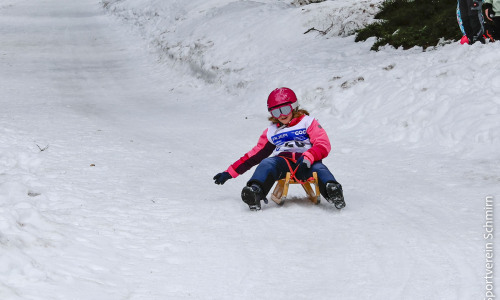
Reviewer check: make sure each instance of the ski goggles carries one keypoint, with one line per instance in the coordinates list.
(284, 110)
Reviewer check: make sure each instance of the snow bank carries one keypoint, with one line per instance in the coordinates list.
(222, 40)
(439, 98)
(24, 229)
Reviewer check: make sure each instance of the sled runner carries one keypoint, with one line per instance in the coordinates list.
(281, 189)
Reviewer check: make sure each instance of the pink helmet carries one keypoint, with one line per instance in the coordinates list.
(281, 96)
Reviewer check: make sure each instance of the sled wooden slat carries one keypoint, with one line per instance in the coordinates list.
(281, 189)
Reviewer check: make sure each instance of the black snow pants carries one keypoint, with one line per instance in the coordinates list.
(470, 20)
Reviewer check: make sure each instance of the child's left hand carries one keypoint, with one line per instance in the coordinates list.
(303, 165)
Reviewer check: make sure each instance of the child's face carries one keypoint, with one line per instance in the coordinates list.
(285, 119)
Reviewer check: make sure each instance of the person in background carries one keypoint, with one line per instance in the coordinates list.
(469, 22)
(492, 16)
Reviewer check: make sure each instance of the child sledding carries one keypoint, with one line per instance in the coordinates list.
(293, 143)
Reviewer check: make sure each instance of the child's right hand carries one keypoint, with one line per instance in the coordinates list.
(222, 177)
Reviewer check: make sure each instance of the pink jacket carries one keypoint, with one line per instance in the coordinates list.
(303, 136)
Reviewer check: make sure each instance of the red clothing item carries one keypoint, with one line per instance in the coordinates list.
(303, 136)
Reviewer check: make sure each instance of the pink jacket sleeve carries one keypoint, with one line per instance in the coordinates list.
(263, 149)
(320, 142)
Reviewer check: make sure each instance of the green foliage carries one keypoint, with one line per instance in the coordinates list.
(409, 23)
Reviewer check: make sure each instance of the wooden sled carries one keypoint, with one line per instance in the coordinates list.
(281, 189)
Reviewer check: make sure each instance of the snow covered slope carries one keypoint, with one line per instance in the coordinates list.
(120, 203)
(441, 97)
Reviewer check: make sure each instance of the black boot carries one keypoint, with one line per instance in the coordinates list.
(335, 195)
(252, 195)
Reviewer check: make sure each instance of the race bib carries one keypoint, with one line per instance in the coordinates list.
(291, 139)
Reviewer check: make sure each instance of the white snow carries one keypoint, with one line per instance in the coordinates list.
(138, 104)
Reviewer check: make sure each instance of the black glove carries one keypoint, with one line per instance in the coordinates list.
(222, 177)
(303, 165)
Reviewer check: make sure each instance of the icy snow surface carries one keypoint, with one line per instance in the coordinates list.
(138, 104)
